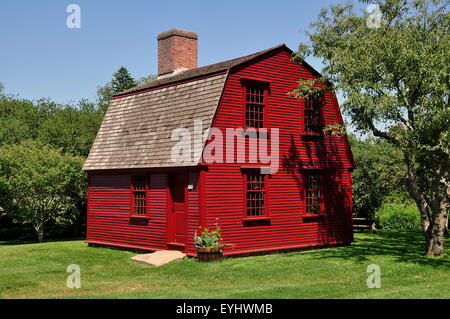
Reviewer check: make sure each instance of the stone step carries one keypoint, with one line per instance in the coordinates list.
(158, 258)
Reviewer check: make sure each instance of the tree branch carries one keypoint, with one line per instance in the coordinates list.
(385, 135)
(408, 105)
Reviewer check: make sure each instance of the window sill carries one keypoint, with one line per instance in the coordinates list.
(139, 217)
(312, 215)
(259, 135)
(311, 134)
(251, 219)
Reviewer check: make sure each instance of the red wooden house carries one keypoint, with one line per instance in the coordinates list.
(143, 196)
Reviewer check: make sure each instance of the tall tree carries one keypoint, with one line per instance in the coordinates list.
(395, 77)
(122, 80)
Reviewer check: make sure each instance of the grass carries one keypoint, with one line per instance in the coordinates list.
(39, 271)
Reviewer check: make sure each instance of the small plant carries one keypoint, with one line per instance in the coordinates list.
(208, 238)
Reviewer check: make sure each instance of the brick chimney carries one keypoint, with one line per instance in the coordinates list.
(177, 51)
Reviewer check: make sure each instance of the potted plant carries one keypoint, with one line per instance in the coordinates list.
(208, 243)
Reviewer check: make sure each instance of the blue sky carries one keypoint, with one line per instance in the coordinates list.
(41, 57)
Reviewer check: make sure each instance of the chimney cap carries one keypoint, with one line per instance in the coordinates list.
(178, 32)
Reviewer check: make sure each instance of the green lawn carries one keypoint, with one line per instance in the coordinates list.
(39, 271)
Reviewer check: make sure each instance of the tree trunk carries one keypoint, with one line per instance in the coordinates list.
(446, 227)
(435, 242)
(434, 224)
(39, 227)
(41, 235)
(435, 245)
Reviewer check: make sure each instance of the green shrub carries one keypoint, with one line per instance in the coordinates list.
(398, 217)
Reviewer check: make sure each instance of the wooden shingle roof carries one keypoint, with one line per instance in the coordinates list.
(137, 128)
(136, 131)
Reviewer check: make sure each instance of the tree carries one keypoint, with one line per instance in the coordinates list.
(73, 129)
(104, 96)
(378, 177)
(39, 184)
(19, 120)
(146, 79)
(395, 78)
(121, 81)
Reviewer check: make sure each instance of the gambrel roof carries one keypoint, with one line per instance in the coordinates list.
(137, 128)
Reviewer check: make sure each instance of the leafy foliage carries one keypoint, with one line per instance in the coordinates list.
(39, 184)
(398, 217)
(208, 238)
(19, 120)
(335, 129)
(378, 175)
(73, 129)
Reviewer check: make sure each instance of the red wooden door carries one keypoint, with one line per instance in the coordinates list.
(178, 227)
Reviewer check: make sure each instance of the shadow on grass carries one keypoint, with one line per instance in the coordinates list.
(401, 246)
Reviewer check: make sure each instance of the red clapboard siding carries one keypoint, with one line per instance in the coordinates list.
(109, 220)
(224, 185)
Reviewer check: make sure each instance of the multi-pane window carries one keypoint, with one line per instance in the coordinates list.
(255, 194)
(313, 194)
(312, 114)
(254, 106)
(139, 190)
